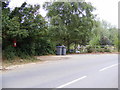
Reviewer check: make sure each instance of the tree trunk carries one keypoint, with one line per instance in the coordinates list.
(75, 47)
(68, 46)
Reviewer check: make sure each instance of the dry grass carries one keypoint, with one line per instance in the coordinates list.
(18, 61)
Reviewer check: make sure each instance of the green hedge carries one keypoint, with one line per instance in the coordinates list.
(106, 48)
(27, 48)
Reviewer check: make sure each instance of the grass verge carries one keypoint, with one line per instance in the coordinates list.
(19, 61)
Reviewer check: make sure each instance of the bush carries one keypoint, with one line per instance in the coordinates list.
(106, 49)
(101, 50)
(9, 53)
(83, 49)
(44, 47)
(22, 54)
(90, 49)
(26, 48)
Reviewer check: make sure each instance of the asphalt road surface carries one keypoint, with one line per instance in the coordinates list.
(77, 71)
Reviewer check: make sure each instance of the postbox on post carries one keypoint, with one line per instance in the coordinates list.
(14, 43)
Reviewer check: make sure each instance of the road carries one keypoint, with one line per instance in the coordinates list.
(78, 71)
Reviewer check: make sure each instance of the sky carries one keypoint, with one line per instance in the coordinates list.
(105, 9)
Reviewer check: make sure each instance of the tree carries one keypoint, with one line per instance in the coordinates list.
(105, 32)
(11, 27)
(70, 22)
(25, 25)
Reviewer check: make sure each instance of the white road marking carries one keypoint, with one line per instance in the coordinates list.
(61, 86)
(108, 67)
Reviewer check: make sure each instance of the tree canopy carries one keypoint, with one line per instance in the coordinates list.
(66, 23)
(27, 27)
(71, 22)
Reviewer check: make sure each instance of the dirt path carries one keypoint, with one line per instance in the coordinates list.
(43, 59)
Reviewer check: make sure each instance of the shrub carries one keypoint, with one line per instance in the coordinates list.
(9, 53)
(22, 54)
(90, 49)
(44, 47)
(101, 50)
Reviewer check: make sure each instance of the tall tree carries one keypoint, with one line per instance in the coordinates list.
(70, 22)
(105, 33)
(25, 25)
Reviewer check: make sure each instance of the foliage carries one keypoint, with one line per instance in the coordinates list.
(25, 25)
(90, 49)
(102, 49)
(70, 22)
(9, 53)
(95, 41)
(44, 47)
(105, 33)
(66, 23)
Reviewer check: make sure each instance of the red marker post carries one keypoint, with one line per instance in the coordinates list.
(14, 43)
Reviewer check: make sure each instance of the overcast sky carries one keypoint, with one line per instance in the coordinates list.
(105, 9)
